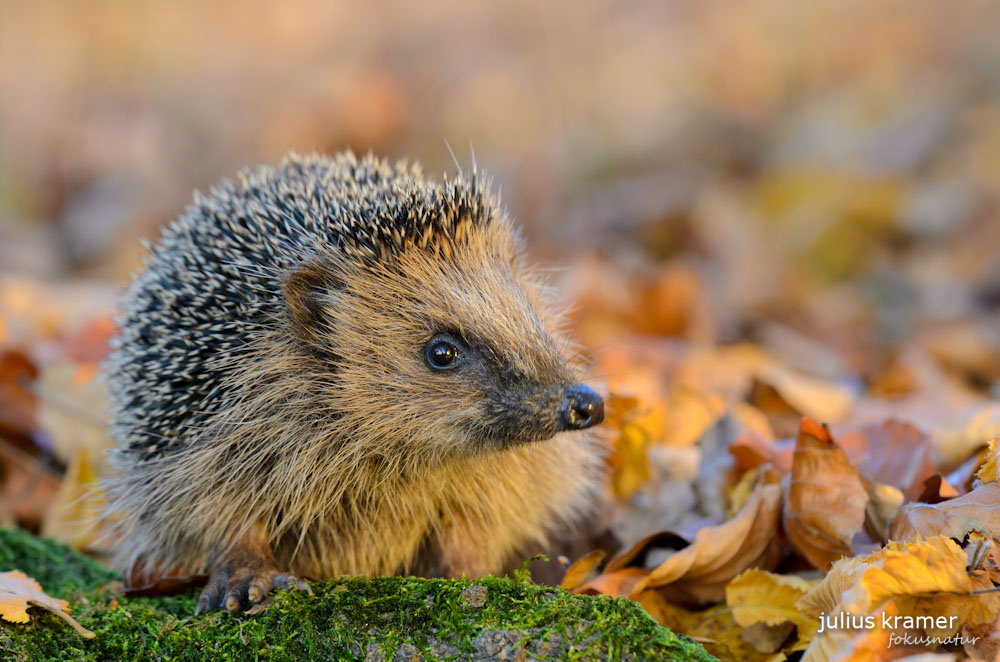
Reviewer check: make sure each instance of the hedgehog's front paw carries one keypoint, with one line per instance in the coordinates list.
(234, 588)
(246, 576)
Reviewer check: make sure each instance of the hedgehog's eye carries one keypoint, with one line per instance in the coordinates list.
(442, 354)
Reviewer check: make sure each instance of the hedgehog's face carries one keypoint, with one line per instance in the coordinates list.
(449, 355)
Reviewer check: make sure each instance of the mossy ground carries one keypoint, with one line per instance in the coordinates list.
(348, 618)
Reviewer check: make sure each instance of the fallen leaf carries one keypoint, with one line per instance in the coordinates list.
(639, 552)
(714, 628)
(698, 574)
(937, 489)
(970, 431)
(767, 638)
(924, 578)
(760, 598)
(18, 591)
(894, 453)
(715, 467)
(979, 510)
(17, 402)
(808, 396)
(630, 460)
(75, 516)
(826, 498)
(90, 344)
(616, 583)
(884, 502)
(673, 305)
(982, 642)
(752, 451)
(582, 568)
(987, 473)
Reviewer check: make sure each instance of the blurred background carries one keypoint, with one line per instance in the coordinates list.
(767, 207)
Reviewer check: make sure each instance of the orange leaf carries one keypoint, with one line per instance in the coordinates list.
(616, 584)
(581, 569)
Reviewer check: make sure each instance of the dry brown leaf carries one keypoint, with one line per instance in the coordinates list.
(972, 430)
(741, 491)
(937, 489)
(18, 591)
(692, 413)
(752, 451)
(582, 568)
(983, 641)
(698, 574)
(964, 475)
(636, 555)
(17, 402)
(869, 645)
(894, 453)
(808, 396)
(826, 498)
(984, 554)
(979, 510)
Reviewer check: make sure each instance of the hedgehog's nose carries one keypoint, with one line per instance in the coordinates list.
(582, 408)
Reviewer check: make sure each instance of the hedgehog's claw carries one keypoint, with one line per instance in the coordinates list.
(234, 589)
(246, 576)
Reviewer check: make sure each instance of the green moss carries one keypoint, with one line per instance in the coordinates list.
(349, 618)
(57, 568)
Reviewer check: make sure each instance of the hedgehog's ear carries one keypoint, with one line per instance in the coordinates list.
(302, 287)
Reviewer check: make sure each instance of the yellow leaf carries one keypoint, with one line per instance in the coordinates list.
(74, 517)
(758, 596)
(930, 566)
(741, 491)
(630, 461)
(988, 472)
(921, 579)
(691, 414)
(18, 591)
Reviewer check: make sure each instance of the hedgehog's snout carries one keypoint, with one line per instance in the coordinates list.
(582, 408)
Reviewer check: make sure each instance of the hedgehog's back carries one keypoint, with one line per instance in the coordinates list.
(211, 286)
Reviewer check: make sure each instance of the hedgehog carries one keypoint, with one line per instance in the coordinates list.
(336, 366)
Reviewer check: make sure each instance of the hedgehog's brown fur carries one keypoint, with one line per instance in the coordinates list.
(321, 433)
